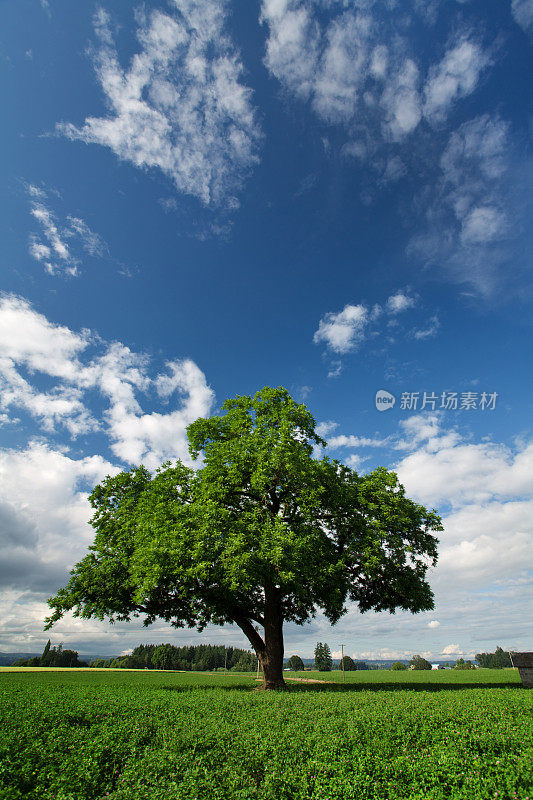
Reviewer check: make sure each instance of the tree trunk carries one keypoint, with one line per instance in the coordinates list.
(270, 651)
(271, 656)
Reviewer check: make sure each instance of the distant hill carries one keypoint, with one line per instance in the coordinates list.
(7, 659)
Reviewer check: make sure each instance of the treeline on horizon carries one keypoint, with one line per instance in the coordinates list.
(194, 658)
(208, 657)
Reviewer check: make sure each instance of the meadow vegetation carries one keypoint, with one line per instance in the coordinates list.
(125, 735)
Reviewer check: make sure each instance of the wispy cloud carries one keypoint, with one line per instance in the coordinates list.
(181, 106)
(523, 13)
(54, 246)
(456, 76)
(429, 330)
(473, 212)
(355, 69)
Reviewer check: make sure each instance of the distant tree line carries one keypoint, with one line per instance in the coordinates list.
(199, 658)
(498, 660)
(53, 657)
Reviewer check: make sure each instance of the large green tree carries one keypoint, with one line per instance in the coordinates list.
(262, 533)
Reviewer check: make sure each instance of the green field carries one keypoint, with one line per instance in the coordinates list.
(124, 735)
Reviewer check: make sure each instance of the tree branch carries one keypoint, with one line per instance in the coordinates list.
(250, 632)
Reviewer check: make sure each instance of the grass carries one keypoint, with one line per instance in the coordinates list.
(134, 735)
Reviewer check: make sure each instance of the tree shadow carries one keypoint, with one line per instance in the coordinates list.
(397, 686)
(299, 688)
(235, 687)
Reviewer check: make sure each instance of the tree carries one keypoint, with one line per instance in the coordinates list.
(323, 660)
(496, 660)
(398, 666)
(45, 659)
(419, 663)
(296, 663)
(462, 664)
(347, 664)
(162, 657)
(262, 533)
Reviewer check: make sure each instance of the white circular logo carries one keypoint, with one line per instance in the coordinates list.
(384, 400)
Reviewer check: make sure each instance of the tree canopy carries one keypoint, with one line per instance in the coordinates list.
(419, 663)
(295, 663)
(323, 660)
(261, 533)
(497, 660)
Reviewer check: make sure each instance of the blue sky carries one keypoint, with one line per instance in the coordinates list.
(334, 196)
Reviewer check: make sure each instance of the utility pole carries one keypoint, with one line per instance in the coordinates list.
(342, 662)
(258, 662)
(225, 661)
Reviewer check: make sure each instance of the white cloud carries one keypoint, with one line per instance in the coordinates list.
(473, 211)
(434, 624)
(336, 369)
(430, 330)
(325, 428)
(344, 331)
(356, 441)
(483, 224)
(28, 338)
(54, 246)
(394, 170)
(153, 438)
(44, 513)
(483, 491)
(399, 302)
(488, 488)
(29, 341)
(454, 77)
(181, 106)
(349, 61)
(401, 102)
(55, 255)
(523, 13)
(452, 650)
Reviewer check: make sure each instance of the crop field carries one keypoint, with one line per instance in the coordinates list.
(126, 735)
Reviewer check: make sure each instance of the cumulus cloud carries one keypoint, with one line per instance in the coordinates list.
(488, 490)
(401, 301)
(452, 650)
(434, 624)
(343, 331)
(181, 106)
(29, 342)
(483, 490)
(44, 513)
(58, 246)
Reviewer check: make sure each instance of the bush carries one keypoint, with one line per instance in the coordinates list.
(398, 665)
